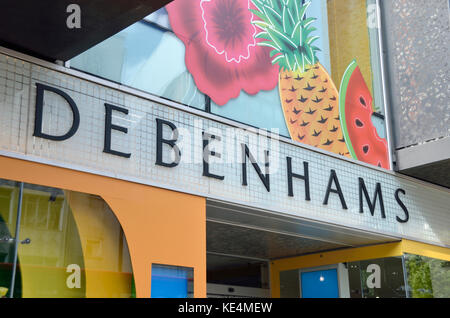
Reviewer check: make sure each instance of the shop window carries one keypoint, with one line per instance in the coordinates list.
(172, 282)
(9, 197)
(377, 278)
(427, 277)
(69, 245)
(290, 284)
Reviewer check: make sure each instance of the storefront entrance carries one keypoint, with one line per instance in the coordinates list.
(314, 260)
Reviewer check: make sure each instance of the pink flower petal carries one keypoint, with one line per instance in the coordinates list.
(222, 65)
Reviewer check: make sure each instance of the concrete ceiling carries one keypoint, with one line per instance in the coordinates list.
(241, 241)
(245, 232)
(39, 27)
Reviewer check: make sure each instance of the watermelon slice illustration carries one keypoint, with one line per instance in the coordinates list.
(355, 111)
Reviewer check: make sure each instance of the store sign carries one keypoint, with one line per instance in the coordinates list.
(171, 143)
(60, 119)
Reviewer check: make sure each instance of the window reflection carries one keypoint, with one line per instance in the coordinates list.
(71, 245)
(427, 277)
(146, 56)
(377, 278)
(9, 194)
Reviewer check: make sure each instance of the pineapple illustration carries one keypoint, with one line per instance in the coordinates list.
(308, 95)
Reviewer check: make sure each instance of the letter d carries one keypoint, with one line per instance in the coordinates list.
(39, 113)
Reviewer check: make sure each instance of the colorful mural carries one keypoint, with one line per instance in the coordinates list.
(255, 45)
(356, 110)
(221, 49)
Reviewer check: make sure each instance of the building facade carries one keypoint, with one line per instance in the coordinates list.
(231, 149)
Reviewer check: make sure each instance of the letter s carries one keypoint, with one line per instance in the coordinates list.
(402, 205)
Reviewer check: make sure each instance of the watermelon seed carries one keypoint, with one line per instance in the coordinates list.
(366, 149)
(362, 101)
(359, 123)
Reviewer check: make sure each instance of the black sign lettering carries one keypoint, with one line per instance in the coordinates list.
(402, 205)
(109, 126)
(207, 153)
(372, 204)
(170, 142)
(39, 113)
(338, 190)
(304, 177)
(264, 177)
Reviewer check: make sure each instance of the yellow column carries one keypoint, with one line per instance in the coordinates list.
(349, 38)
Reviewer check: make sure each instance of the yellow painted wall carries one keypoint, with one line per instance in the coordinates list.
(349, 38)
(160, 226)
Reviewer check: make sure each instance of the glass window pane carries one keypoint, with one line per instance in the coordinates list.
(70, 245)
(145, 56)
(354, 280)
(377, 278)
(259, 111)
(289, 284)
(9, 194)
(427, 277)
(171, 282)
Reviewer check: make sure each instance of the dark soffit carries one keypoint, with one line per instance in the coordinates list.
(39, 28)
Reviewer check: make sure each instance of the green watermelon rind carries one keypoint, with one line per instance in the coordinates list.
(342, 96)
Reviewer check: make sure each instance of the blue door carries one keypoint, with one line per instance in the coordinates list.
(320, 284)
(169, 282)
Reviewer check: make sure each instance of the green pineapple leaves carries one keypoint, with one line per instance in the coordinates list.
(285, 30)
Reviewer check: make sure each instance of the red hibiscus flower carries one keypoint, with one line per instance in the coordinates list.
(221, 51)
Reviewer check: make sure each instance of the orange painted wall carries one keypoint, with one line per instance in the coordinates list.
(161, 226)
